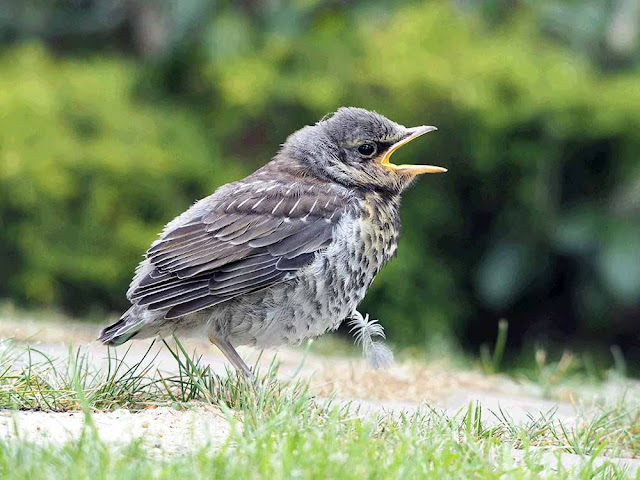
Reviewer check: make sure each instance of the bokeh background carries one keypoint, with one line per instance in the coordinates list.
(115, 115)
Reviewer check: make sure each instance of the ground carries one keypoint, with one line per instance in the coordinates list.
(562, 428)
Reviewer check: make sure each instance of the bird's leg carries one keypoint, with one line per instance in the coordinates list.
(227, 349)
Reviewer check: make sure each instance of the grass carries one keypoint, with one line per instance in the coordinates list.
(31, 379)
(300, 442)
(279, 430)
(490, 361)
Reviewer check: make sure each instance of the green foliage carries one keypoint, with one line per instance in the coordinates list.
(88, 176)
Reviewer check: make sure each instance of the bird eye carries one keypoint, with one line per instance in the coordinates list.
(367, 149)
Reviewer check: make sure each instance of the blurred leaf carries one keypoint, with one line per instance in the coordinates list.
(619, 263)
(578, 231)
(504, 273)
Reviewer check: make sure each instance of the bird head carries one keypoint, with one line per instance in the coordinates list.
(354, 147)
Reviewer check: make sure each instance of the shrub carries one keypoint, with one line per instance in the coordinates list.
(88, 175)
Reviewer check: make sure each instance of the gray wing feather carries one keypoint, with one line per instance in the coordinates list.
(174, 291)
(296, 262)
(258, 230)
(320, 240)
(284, 230)
(215, 221)
(230, 255)
(247, 284)
(247, 263)
(236, 228)
(303, 236)
(221, 276)
(185, 297)
(194, 306)
(170, 283)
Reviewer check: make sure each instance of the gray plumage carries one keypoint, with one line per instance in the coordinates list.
(284, 254)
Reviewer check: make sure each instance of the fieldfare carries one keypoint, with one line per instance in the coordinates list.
(284, 254)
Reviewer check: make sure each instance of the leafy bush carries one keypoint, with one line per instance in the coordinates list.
(88, 176)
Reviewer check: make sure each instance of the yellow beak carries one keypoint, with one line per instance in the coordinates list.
(414, 133)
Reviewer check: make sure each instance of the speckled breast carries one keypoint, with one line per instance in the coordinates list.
(327, 291)
(340, 278)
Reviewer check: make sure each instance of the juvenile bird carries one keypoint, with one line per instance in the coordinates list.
(284, 254)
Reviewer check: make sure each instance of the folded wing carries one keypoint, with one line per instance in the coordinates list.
(242, 241)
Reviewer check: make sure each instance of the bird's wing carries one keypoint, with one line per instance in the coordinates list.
(244, 240)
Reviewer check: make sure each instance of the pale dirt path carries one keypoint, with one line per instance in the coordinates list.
(401, 388)
(163, 428)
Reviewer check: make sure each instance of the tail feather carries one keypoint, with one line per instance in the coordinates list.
(123, 330)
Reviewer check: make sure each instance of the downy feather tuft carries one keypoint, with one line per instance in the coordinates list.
(365, 331)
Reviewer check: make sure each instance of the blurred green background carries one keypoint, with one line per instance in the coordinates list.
(115, 115)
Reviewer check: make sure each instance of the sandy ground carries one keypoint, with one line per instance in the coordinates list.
(400, 388)
(164, 428)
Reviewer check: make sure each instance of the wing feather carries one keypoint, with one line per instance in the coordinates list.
(295, 263)
(236, 228)
(247, 263)
(246, 283)
(268, 225)
(221, 276)
(215, 220)
(166, 285)
(178, 290)
(285, 230)
(222, 281)
(193, 306)
(180, 299)
(303, 236)
(231, 255)
(314, 244)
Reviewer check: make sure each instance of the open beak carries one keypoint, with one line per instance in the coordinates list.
(414, 133)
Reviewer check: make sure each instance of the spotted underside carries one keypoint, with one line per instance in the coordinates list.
(251, 235)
